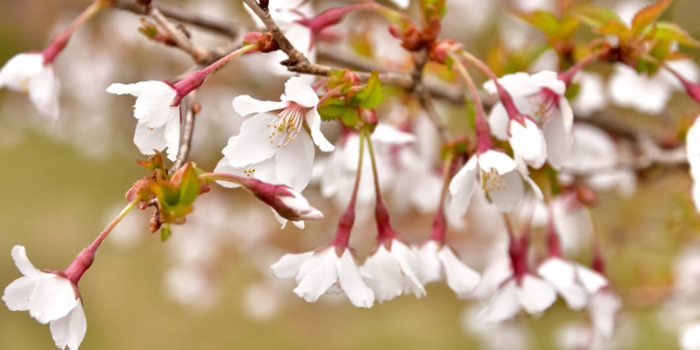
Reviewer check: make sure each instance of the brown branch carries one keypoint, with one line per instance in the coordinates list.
(187, 132)
(199, 54)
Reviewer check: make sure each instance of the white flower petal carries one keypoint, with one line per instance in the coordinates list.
(384, 275)
(496, 160)
(528, 142)
(429, 266)
(246, 105)
(351, 281)
(43, 92)
(316, 275)
(591, 280)
(557, 134)
(19, 255)
(19, 69)
(603, 308)
(535, 295)
(460, 277)
(172, 135)
(692, 144)
(70, 329)
(313, 119)
(402, 4)
(390, 135)
(407, 261)
(153, 106)
(498, 121)
(299, 91)
(504, 304)
(288, 265)
(53, 298)
(561, 274)
(294, 163)
(462, 187)
(149, 139)
(252, 145)
(18, 293)
(509, 195)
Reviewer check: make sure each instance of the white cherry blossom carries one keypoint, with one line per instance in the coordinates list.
(497, 174)
(540, 96)
(274, 145)
(529, 293)
(392, 271)
(28, 73)
(158, 118)
(690, 336)
(435, 260)
(49, 298)
(574, 282)
(591, 97)
(603, 308)
(692, 142)
(317, 273)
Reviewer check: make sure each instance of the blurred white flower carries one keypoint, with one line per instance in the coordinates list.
(603, 308)
(649, 94)
(392, 271)
(574, 282)
(317, 273)
(690, 336)
(540, 96)
(27, 72)
(529, 293)
(692, 142)
(435, 259)
(591, 97)
(495, 336)
(49, 298)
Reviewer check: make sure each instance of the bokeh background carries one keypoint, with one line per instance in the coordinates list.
(209, 287)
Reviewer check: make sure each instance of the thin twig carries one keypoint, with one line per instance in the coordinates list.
(426, 101)
(199, 54)
(179, 14)
(188, 129)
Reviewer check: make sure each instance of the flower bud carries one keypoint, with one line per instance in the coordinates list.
(287, 202)
(264, 41)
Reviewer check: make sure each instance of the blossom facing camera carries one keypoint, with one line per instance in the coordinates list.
(50, 297)
(329, 270)
(31, 74)
(276, 137)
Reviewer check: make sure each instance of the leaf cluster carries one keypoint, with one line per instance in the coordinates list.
(348, 100)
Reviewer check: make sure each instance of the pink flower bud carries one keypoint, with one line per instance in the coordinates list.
(287, 202)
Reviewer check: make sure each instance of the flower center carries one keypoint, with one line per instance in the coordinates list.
(249, 171)
(287, 125)
(545, 102)
(492, 181)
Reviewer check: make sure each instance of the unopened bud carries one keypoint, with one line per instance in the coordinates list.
(439, 50)
(287, 202)
(264, 41)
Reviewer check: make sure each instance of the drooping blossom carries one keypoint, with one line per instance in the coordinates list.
(316, 273)
(392, 269)
(520, 290)
(573, 281)
(157, 110)
(50, 297)
(541, 97)
(435, 260)
(274, 145)
(32, 74)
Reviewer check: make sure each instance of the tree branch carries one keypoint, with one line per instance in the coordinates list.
(188, 129)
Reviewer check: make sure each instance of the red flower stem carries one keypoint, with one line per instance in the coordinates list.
(342, 235)
(384, 230)
(568, 76)
(85, 258)
(61, 40)
(481, 126)
(439, 222)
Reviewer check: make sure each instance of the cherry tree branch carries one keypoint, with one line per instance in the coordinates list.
(187, 132)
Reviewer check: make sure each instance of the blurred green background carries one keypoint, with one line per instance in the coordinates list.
(53, 200)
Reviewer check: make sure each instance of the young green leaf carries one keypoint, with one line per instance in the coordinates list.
(673, 32)
(542, 20)
(350, 118)
(189, 185)
(648, 15)
(331, 109)
(595, 16)
(371, 96)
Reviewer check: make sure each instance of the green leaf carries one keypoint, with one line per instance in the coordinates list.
(165, 232)
(673, 32)
(189, 185)
(573, 91)
(568, 26)
(350, 118)
(371, 96)
(542, 20)
(331, 109)
(595, 16)
(648, 15)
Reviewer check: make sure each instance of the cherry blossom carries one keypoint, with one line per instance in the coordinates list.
(318, 272)
(282, 140)
(690, 336)
(30, 73)
(540, 96)
(392, 270)
(497, 174)
(50, 298)
(591, 96)
(157, 110)
(435, 259)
